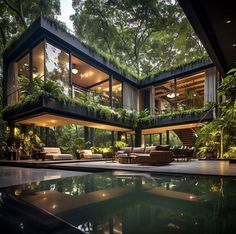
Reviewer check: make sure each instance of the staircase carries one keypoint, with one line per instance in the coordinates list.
(186, 136)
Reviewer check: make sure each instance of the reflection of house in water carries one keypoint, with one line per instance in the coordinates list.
(121, 209)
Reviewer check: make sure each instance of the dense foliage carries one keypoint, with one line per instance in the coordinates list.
(219, 136)
(146, 36)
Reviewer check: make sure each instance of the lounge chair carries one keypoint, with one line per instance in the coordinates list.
(87, 154)
(156, 158)
(54, 153)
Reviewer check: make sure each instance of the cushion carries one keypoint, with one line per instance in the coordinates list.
(58, 156)
(149, 149)
(163, 147)
(84, 152)
(92, 156)
(139, 150)
(142, 155)
(52, 150)
(126, 150)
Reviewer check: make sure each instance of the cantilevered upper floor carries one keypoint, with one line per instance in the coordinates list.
(47, 52)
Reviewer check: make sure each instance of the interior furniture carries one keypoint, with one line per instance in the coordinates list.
(54, 153)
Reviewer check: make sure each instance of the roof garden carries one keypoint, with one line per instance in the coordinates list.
(57, 29)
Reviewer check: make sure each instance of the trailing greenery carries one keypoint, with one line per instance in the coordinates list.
(32, 91)
(200, 58)
(125, 69)
(219, 136)
(151, 119)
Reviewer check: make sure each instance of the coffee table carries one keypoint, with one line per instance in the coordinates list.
(127, 159)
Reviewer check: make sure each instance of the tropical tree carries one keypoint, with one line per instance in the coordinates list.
(145, 35)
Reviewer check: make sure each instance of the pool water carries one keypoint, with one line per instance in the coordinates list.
(125, 202)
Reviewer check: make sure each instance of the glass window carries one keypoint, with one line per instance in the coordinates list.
(12, 85)
(23, 67)
(103, 92)
(191, 91)
(15, 70)
(165, 97)
(116, 94)
(57, 66)
(85, 75)
(38, 61)
(180, 94)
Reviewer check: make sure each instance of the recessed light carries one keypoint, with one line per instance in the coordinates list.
(228, 21)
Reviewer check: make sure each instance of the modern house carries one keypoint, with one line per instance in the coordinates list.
(47, 52)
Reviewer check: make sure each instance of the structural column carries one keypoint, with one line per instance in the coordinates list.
(167, 137)
(10, 140)
(86, 137)
(119, 134)
(46, 136)
(91, 136)
(138, 137)
(160, 134)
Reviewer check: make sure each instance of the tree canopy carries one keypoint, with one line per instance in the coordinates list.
(146, 36)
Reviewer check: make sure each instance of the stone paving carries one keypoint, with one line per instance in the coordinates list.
(195, 167)
(17, 175)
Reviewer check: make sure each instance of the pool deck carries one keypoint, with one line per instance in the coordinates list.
(193, 167)
(16, 175)
(39, 163)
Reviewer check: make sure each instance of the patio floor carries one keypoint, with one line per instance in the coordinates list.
(16, 175)
(194, 167)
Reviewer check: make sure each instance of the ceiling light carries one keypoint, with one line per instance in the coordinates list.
(234, 44)
(74, 69)
(172, 91)
(172, 95)
(228, 21)
(99, 87)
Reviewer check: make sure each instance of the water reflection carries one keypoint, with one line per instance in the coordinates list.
(123, 202)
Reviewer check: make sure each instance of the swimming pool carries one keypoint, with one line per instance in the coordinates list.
(123, 202)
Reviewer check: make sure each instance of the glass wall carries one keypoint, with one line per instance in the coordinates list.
(38, 61)
(15, 70)
(180, 94)
(117, 94)
(86, 78)
(50, 62)
(57, 66)
(103, 92)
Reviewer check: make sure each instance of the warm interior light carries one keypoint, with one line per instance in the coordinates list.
(99, 87)
(172, 95)
(74, 69)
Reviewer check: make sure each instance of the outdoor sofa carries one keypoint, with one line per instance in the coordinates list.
(156, 158)
(141, 151)
(54, 153)
(135, 151)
